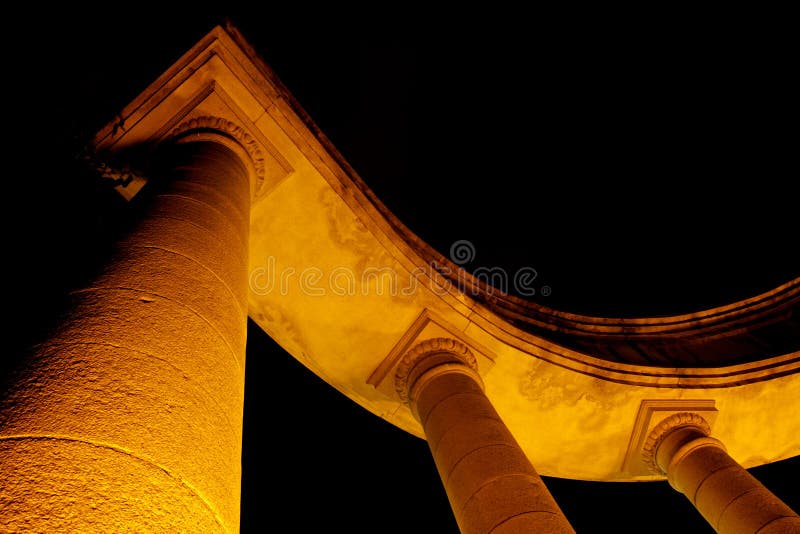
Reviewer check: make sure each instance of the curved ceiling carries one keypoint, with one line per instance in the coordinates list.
(347, 289)
(637, 180)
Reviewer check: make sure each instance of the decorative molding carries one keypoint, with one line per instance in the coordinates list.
(229, 129)
(125, 179)
(651, 414)
(428, 324)
(120, 176)
(427, 348)
(664, 428)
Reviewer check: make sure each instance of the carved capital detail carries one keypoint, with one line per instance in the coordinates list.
(458, 352)
(118, 175)
(229, 129)
(664, 428)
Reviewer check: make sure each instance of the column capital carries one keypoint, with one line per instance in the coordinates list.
(697, 465)
(688, 424)
(219, 85)
(226, 132)
(447, 353)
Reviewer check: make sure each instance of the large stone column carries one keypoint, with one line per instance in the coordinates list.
(491, 484)
(129, 417)
(698, 466)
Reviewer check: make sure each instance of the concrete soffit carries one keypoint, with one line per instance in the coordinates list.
(221, 84)
(311, 210)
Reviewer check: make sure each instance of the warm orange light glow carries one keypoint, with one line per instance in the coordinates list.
(129, 418)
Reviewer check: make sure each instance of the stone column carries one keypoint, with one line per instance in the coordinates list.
(698, 466)
(491, 485)
(129, 417)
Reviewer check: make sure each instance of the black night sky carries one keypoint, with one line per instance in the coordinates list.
(640, 172)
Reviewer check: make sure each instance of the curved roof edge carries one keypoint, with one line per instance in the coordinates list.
(685, 340)
(543, 369)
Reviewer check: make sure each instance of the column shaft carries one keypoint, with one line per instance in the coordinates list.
(491, 485)
(729, 497)
(129, 417)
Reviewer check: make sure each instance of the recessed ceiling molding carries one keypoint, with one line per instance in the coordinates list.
(651, 413)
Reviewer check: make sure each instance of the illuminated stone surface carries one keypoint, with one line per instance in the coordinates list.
(129, 417)
(147, 371)
(729, 497)
(489, 480)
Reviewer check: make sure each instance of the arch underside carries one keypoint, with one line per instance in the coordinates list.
(345, 288)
